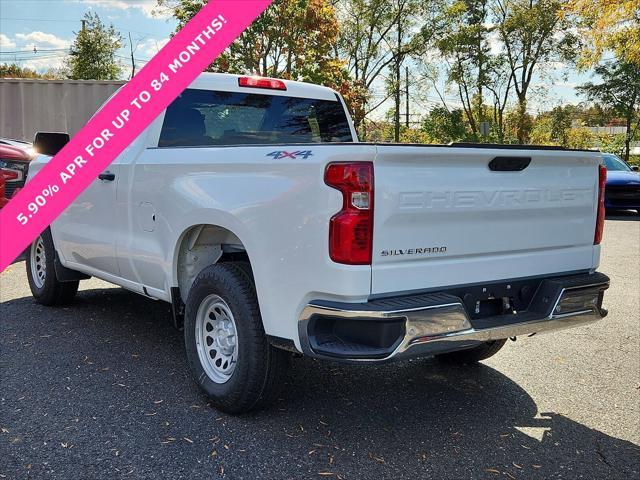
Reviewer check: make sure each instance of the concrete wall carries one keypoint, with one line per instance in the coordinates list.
(608, 130)
(29, 106)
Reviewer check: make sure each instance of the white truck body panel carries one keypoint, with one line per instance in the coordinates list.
(494, 225)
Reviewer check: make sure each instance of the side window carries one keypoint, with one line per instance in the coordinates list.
(204, 117)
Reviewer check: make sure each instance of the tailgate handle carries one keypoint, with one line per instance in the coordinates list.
(509, 164)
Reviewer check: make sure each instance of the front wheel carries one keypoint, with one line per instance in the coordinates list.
(226, 345)
(473, 355)
(45, 286)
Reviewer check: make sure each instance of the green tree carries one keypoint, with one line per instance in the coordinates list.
(514, 122)
(561, 122)
(376, 37)
(444, 126)
(534, 35)
(365, 27)
(499, 84)
(465, 47)
(620, 91)
(612, 143)
(595, 115)
(542, 132)
(93, 53)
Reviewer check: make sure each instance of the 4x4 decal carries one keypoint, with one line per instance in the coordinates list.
(278, 154)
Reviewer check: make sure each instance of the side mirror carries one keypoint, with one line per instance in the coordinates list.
(50, 143)
(634, 168)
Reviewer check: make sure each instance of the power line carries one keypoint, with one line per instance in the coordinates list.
(119, 26)
(142, 60)
(28, 59)
(38, 50)
(60, 55)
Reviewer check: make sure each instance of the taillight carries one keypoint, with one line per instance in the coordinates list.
(602, 182)
(262, 82)
(351, 229)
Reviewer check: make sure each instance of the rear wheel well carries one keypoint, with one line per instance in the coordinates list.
(201, 246)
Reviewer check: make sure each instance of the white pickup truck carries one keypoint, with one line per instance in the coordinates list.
(252, 208)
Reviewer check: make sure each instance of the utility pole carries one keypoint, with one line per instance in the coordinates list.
(406, 93)
(397, 81)
(133, 60)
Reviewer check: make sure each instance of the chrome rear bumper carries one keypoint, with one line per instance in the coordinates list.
(428, 324)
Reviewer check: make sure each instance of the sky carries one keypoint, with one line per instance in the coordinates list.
(49, 26)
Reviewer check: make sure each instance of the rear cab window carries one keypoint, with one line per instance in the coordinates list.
(209, 118)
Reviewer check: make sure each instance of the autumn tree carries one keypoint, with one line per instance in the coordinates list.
(607, 25)
(93, 53)
(291, 39)
(555, 126)
(534, 34)
(12, 70)
(619, 90)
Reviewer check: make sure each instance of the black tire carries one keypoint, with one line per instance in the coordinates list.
(46, 288)
(473, 355)
(260, 368)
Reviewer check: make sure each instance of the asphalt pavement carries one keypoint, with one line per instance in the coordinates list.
(101, 390)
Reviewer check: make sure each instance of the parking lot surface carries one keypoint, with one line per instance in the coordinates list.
(101, 390)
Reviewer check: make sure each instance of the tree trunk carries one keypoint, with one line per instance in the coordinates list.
(406, 93)
(627, 140)
(522, 121)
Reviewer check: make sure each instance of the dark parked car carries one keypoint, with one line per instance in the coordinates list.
(623, 184)
(15, 157)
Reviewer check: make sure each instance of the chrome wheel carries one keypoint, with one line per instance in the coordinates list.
(38, 262)
(216, 339)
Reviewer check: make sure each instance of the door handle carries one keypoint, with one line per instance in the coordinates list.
(509, 164)
(108, 176)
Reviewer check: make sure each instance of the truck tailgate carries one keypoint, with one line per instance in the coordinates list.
(443, 217)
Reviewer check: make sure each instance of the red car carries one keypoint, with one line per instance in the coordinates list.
(14, 166)
(3, 180)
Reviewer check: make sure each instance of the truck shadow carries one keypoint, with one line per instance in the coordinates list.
(622, 215)
(410, 419)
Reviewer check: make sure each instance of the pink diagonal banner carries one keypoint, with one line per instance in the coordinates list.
(121, 120)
